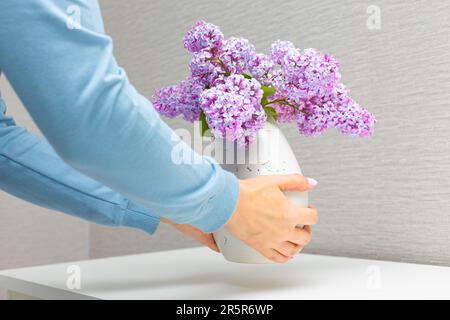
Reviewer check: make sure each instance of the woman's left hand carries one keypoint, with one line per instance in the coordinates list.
(198, 235)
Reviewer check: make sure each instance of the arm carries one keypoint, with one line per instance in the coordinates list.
(97, 122)
(31, 170)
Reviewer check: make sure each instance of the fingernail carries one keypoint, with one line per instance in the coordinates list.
(312, 182)
(290, 258)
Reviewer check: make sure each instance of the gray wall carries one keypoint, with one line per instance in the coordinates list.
(387, 197)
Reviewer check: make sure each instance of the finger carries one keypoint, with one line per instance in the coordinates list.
(196, 234)
(295, 182)
(275, 256)
(166, 221)
(289, 249)
(207, 240)
(303, 216)
(308, 229)
(210, 242)
(301, 236)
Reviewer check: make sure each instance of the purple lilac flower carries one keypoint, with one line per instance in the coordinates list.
(315, 115)
(308, 88)
(285, 113)
(261, 68)
(189, 92)
(249, 88)
(202, 36)
(309, 74)
(233, 109)
(182, 99)
(315, 118)
(337, 110)
(204, 68)
(235, 54)
(351, 118)
(355, 121)
(165, 101)
(279, 49)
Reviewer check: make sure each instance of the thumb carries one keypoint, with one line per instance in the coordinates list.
(295, 182)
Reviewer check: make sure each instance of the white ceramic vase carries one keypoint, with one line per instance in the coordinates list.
(269, 154)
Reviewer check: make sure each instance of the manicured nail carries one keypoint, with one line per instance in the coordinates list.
(312, 182)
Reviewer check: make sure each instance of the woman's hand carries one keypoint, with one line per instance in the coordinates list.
(198, 235)
(266, 220)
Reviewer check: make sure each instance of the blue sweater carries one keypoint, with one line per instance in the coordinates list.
(101, 134)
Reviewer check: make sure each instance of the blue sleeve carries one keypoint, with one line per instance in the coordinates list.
(97, 122)
(32, 171)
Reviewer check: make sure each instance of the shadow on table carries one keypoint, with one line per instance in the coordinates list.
(228, 280)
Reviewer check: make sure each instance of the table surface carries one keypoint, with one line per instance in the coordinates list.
(199, 273)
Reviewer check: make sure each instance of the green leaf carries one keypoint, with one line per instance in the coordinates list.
(247, 76)
(270, 111)
(268, 91)
(203, 124)
(271, 114)
(264, 101)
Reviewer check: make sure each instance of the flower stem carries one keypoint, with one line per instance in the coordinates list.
(220, 62)
(283, 101)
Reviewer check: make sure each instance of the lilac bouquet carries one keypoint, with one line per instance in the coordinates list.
(233, 90)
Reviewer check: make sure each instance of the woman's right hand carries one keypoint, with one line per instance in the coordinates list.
(265, 219)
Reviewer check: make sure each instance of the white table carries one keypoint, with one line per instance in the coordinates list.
(202, 274)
